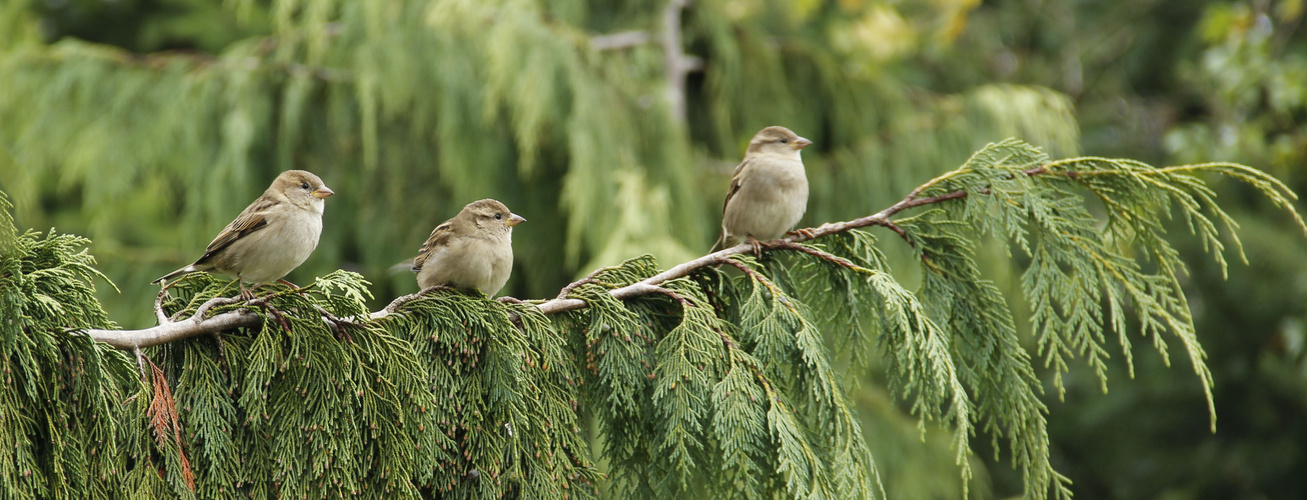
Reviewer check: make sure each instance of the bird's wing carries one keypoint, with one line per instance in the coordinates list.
(737, 180)
(252, 219)
(439, 238)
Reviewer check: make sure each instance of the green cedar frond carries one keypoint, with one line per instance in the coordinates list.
(706, 382)
(822, 454)
(275, 412)
(62, 392)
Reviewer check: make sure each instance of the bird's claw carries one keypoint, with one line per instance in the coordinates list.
(807, 233)
(246, 294)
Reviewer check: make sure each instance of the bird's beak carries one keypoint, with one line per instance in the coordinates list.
(323, 192)
(800, 143)
(514, 220)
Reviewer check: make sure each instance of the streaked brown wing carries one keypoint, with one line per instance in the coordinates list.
(439, 238)
(249, 221)
(737, 180)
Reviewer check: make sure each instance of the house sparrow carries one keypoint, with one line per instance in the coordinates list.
(769, 191)
(472, 250)
(272, 237)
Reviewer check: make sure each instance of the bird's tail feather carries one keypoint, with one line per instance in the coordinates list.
(720, 244)
(405, 266)
(174, 274)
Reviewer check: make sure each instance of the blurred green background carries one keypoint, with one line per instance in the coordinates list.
(613, 127)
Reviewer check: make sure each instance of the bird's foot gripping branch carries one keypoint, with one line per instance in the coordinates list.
(694, 379)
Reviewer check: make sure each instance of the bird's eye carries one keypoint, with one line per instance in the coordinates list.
(784, 140)
(304, 185)
(499, 216)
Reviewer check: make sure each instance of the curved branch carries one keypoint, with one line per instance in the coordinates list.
(169, 330)
(651, 284)
(176, 330)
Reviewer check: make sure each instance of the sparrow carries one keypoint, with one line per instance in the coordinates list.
(271, 237)
(472, 250)
(769, 191)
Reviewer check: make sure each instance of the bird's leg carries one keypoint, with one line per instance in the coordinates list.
(509, 300)
(246, 293)
(757, 247)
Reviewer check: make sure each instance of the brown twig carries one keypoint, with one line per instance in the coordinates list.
(337, 324)
(163, 420)
(643, 289)
(263, 302)
(589, 278)
(826, 256)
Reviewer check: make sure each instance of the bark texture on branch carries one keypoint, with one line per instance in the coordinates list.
(130, 340)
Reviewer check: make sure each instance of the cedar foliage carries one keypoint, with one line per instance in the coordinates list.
(411, 109)
(723, 386)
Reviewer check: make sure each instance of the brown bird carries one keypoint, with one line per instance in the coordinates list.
(472, 250)
(769, 191)
(272, 237)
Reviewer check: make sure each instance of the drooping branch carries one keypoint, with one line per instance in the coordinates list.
(169, 330)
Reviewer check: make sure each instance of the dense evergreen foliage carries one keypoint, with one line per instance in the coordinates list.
(613, 127)
(710, 384)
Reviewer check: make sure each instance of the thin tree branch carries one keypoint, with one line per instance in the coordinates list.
(675, 63)
(567, 290)
(158, 308)
(826, 256)
(204, 308)
(169, 331)
(620, 40)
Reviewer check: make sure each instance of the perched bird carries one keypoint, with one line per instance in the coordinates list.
(272, 237)
(472, 250)
(769, 191)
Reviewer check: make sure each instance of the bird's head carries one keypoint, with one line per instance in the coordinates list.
(491, 215)
(778, 141)
(302, 189)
